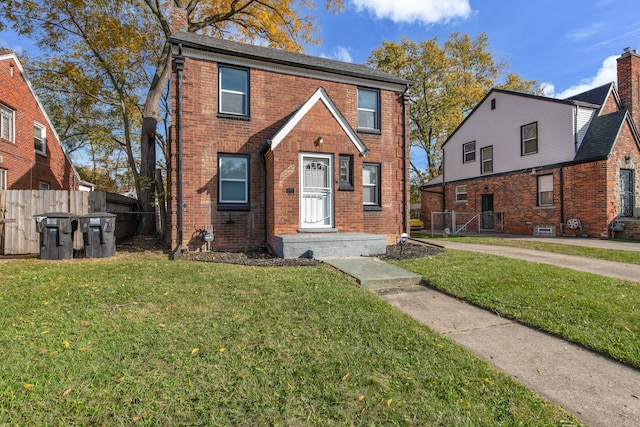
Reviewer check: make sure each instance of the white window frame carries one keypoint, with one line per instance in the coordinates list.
(222, 91)
(524, 139)
(375, 185)
(7, 123)
(486, 160)
(545, 189)
(3, 179)
(222, 179)
(461, 194)
(376, 111)
(469, 149)
(43, 139)
(43, 185)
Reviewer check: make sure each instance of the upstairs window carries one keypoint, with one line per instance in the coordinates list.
(6, 123)
(43, 185)
(233, 95)
(371, 185)
(529, 138)
(40, 138)
(469, 152)
(368, 109)
(233, 181)
(487, 159)
(545, 190)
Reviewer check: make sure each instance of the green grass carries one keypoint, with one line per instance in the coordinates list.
(594, 311)
(142, 340)
(630, 257)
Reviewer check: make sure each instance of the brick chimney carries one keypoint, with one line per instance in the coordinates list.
(178, 18)
(629, 82)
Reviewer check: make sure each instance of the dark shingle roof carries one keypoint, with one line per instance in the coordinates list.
(277, 56)
(595, 96)
(601, 136)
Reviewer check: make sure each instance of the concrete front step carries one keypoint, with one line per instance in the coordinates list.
(375, 274)
(329, 245)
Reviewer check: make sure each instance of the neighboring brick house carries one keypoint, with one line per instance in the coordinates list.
(545, 166)
(31, 157)
(305, 155)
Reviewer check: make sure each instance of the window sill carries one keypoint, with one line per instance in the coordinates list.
(464, 202)
(233, 117)
(372, 208)
(345, 187)
(40, 153)
(234, 207)
(369, 131)
(545, 207)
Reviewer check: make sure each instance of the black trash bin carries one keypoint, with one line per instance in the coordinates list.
(98, 232)
(56, 234)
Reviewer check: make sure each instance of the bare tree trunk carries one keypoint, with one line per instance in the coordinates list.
(150, 116)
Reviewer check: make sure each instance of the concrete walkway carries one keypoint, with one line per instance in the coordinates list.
(598, 390)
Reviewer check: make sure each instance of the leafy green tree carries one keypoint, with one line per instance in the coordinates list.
(449, 82)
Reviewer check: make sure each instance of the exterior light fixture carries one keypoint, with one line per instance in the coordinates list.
(319, 141)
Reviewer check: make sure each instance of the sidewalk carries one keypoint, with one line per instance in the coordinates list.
(599, 391)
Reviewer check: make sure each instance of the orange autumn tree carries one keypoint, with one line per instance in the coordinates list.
(111, 59)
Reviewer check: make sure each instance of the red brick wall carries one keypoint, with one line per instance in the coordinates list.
(26, 168)
(274, 97)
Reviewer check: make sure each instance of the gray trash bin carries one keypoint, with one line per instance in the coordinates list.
(98, 232)
(56, 234)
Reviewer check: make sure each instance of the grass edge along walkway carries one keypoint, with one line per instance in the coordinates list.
(147, 341)
(596, 312)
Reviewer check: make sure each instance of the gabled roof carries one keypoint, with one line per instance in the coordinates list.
(596, 96)
(319, 95)
(507, 92)
(601, 136)
(282, 57)
(7, 55)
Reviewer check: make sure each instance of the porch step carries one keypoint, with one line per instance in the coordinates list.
(375, 274)
(329, 245)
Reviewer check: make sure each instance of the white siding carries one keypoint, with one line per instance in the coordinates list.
(583, 119)
(501, 129)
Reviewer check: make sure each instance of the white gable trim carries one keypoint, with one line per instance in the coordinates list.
(319, 95)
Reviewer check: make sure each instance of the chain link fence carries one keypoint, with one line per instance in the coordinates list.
(461, 223)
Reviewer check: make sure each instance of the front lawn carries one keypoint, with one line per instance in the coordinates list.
(594, 311)
(630, 257)
(142, 340)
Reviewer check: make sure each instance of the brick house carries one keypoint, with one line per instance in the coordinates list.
(304, 155)
(526, 164)
(31, 157)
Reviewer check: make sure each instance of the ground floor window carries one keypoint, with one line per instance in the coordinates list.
(233, 181)
(626, 192)
(545, 190)
(3, 179)
(371, 185)
(461, 193)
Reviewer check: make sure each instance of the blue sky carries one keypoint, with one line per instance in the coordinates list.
(570, 45)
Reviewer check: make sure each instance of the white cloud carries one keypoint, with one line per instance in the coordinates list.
(425, 11)
(606, 74)
(340, 53)
(580, 34)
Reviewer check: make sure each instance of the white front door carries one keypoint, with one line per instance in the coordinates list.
(316, 207)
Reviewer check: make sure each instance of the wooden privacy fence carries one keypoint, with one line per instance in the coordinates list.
(18, 233)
